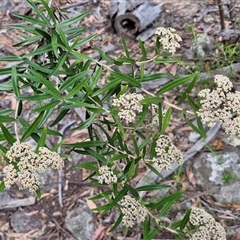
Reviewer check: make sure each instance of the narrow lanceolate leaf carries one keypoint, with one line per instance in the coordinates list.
(120, 195)
(14, 79)
(189, 89)
(125, 47)
(86, 144)
(2, 186)
(50, 12)
(33, 127)
(50, 86)
(72, 80)
(42, 140)
(175, 83)
(9, 137)
(143, 49)
(37, 10)
(166, 120)
(47, 106)
(151, 187)
(73, 20)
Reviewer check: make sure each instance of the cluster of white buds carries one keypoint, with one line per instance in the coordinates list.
(169, 39)
(221, 104)
(129, 105)
(132, 211)
(208, 228)
(166, 153)
(25, 165)
(106, 175)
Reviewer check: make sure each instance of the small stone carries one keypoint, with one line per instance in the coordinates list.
(78, 222)
(23, 222)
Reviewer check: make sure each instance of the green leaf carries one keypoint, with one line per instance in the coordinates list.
(7, 134)
(154, 170)
(72, 80)
(50, 13)
(125, 46)
(154, 76)
(40, 50)
(143, 50)
(36, 97)
(95, 78)
(70, 21)
(76, 89)
(166, 60)
(42, 139)
(10, 58)
(6, 118)
(59, 117)
(50, 86)
(193, 105)
(151, 187)
(108, 86)
(2, 186)
(47, 106)
(97, 155)
(169, 199)
(37, 66)
(38, 11)
(185, 220)
(126, 60)
(175, 83)
(87, 122)
(28, 41)
(150, 99)
(33, 127)
(118, 197)
(201, 133)
(189, 89)
(119, 220)
(62, 36)
(103, 55)
(31, 20)
(85, 40)
(126, 78)
(87, 165)
(166, 120)
(14, 79)
(6, 86)
(118, 157)
(86, 144)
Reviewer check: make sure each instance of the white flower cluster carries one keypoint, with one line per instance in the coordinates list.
(221, 104)
(132, 211)
(208, 228)
(129, 105)
(29, 164)
(169, 39)
(166, 153)
(106, 175)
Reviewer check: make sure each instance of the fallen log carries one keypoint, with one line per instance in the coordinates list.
(131, 18)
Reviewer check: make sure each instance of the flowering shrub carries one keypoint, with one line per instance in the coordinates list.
(62, 78)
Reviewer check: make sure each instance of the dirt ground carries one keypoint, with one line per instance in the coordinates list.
(204, 17)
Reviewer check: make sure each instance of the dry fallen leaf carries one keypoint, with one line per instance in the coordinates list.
(91, 204)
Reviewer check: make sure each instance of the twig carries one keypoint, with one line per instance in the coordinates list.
(221, 14)
(60, 171)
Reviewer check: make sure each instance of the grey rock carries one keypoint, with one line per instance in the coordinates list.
(202, 45)
(210, 169)
(22, 222)
(8, 202)
(78, 222)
